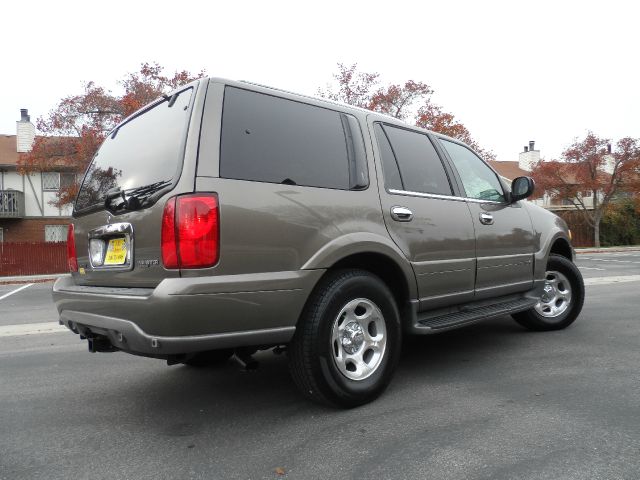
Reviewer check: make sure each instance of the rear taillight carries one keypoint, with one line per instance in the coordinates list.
(169, 245)
(72, 258)
(190, 231)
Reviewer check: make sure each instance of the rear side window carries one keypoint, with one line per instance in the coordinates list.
(390, 170)
(275, 140)
(420, 167)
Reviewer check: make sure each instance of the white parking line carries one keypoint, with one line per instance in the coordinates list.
(614, 260)
(612, 279)
(591, 268)
(15, 291)
(31, 329)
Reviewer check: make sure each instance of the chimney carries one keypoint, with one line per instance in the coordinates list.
(25, 132)
(529, 157)
(609, 148)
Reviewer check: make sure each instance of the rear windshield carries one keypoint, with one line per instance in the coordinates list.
(142, 156)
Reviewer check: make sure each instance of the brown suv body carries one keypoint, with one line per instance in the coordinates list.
(355, 198)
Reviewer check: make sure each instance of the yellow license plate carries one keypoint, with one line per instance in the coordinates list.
(116, 252)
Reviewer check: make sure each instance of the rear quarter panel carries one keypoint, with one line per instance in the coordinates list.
(267, 227)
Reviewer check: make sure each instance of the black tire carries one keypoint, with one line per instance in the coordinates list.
(312, 356)
(533, 320)
(209, 359)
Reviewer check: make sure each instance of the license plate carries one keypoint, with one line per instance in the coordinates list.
(116, 252)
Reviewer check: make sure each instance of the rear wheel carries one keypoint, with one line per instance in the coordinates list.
(561, 300)
(210, 358)
(347, 343)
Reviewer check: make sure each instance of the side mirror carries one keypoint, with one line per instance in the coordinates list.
(522, 187)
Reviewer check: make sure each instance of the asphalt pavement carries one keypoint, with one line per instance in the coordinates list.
(491, 401)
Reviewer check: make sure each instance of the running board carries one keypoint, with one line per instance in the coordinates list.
(433, 324)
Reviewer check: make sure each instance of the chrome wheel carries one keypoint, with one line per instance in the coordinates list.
(358, 339)
(556, 296)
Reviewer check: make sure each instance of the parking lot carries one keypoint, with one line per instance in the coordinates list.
(488, 401)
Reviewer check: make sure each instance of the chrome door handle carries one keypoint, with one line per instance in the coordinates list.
(486, 218)
(401, 214)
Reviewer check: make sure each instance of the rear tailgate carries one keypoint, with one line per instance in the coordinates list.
(147, 159)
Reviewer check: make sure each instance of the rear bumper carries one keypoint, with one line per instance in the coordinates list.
(184, 315)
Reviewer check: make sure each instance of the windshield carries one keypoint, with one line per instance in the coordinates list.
(146, 150)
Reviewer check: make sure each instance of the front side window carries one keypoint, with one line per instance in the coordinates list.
(276, 140)
(409, 159)
(478, 180)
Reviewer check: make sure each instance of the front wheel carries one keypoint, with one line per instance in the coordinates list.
(561, 300)
(347, 342)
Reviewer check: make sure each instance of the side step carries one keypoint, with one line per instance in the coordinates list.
(434, 324)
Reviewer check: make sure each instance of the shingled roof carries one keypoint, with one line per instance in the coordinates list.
(8, 151)
(509, 169)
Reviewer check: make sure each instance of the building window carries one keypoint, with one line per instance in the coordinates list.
(55, 233)
(51, 181)
(67, 179)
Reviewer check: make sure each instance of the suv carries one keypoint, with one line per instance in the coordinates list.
(230, 217)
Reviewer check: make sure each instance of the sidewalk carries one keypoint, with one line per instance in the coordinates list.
(32, 278)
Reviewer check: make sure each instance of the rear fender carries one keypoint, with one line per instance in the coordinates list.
(358, 243)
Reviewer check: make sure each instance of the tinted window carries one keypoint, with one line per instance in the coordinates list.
(392, 178)
(146, 150)
(478, 179)
(271, 139)
(420, 167)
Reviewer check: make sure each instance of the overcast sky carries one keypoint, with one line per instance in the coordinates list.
(511, 71)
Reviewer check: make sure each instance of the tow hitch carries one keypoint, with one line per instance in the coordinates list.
(98, 343)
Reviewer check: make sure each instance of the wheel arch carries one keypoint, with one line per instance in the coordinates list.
(376, 255)
(383, 267)
(557, 243)
(561, 246)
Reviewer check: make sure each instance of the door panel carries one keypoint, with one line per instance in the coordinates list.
(431, 227)
(439, 241)
(504, 234)
(504, 249)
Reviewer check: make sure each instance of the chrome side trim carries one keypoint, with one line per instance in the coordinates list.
(443, 197)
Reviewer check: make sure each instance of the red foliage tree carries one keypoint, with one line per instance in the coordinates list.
(73, 131)
(587, 166)
(410, 101)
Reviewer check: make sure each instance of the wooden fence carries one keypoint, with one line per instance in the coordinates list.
(33, 258)
(582, 232)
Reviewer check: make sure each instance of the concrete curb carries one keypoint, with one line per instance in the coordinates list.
(32, 278)
(634, 248)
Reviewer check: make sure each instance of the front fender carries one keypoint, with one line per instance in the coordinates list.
(547, 229)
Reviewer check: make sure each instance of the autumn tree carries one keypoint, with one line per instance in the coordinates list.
(409, 101)
(591, 174)
(72, 132)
